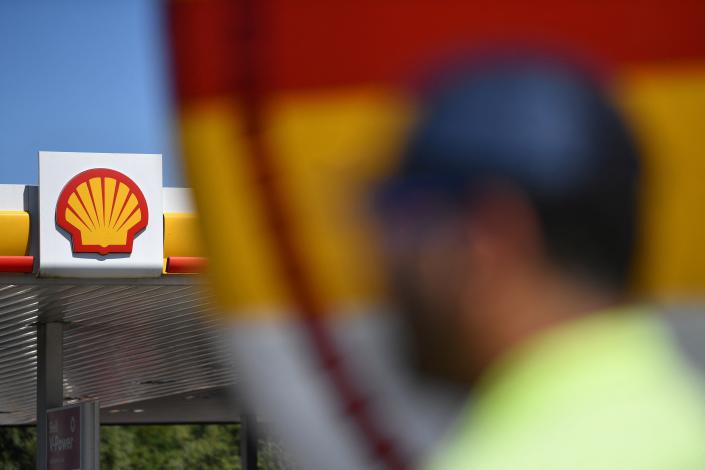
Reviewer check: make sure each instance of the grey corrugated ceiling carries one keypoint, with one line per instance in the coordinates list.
(124, 341)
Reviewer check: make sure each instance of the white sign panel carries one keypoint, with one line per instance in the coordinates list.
(100, 215)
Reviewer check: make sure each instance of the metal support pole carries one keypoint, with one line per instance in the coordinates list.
(50, 377)
(248, 442)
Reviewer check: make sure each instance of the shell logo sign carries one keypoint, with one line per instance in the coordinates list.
(97, 204)
(103, 210)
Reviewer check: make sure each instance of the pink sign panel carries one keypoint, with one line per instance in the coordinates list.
(64, 439)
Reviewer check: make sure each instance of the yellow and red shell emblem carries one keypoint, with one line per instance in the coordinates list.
(102, 210)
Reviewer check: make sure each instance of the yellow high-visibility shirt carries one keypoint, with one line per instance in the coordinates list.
(607, 392)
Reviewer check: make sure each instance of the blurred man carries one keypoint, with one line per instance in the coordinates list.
(510, 227)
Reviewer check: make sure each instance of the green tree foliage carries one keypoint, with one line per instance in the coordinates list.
(173, 447)
(153, 447)
(18, 446)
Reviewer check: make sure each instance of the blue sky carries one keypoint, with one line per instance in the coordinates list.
(83, 76)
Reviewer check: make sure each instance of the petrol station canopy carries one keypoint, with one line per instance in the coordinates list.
(145, 345)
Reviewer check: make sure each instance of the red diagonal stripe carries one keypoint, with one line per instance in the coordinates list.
(253, 89)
